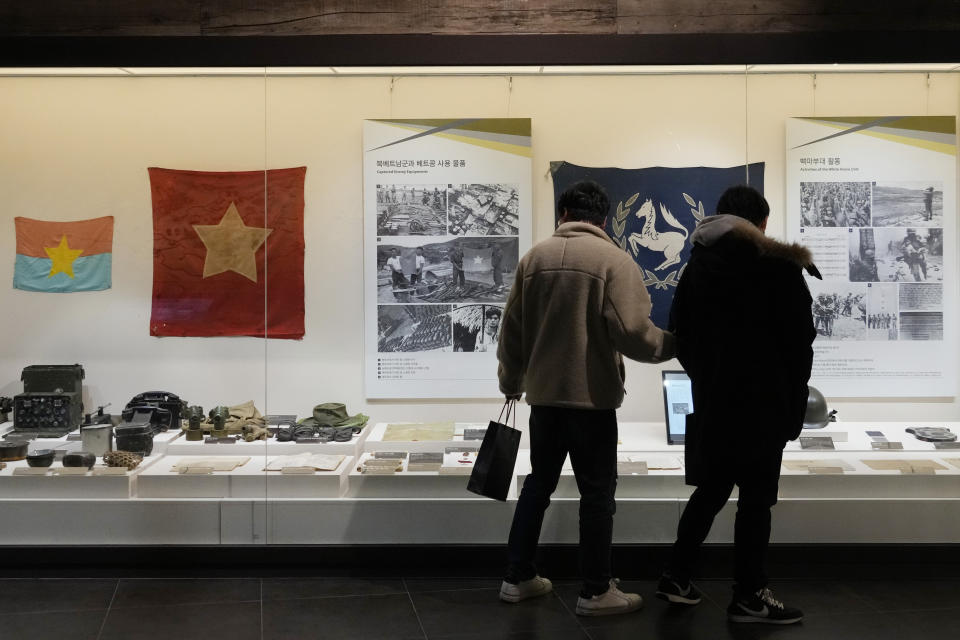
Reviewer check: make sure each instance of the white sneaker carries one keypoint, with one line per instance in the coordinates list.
(610, 603)
(535, 586)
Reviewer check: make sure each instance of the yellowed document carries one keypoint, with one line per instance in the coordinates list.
(419, 432)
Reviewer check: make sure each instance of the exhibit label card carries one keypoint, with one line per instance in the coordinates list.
(875, 200)
(447, 215)
(816, 443)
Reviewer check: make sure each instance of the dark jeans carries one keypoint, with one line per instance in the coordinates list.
(590, 437)
(757, 473)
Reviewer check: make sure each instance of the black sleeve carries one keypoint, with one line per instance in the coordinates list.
(799, 334)
(677, 320)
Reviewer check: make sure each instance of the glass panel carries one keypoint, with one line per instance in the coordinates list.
(147, 293)
(206, 237)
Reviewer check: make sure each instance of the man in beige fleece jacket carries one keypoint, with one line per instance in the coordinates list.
(578, 302)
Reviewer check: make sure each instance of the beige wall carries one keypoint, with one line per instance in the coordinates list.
(74, 148)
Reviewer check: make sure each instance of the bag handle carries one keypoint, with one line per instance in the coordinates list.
(510, 406)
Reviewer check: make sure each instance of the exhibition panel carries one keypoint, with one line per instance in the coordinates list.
(267, 305)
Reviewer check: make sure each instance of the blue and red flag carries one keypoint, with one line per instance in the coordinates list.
(62, 257)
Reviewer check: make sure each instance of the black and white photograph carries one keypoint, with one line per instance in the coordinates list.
(863, 256)
(681, 408)
(458, 270)
(835, 204)
(907, 203)
(926, 296)
(414, 327)
(476, 327)
(921, 325)
(882, 309)
(484, 209)
(411, 209)
(839, 310)
(908, 254)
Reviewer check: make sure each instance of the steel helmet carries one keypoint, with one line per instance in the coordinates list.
(817, 415)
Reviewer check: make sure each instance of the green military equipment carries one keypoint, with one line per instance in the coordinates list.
(222, 422)
(334, 414)
(195, 417)
(218, 417)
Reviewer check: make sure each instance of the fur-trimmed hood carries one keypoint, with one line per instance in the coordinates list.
(712, 228)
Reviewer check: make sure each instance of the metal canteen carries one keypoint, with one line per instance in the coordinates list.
(97, 438)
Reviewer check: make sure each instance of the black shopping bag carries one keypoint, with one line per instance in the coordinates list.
(493, 470)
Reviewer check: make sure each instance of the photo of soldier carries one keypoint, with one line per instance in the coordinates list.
(835, 204)
(907, 203)
(839, 310)
(418, 263)
(909, 255)
(895, 254)
(398, 279)
(882, 309)
(476, 327)
(459, 270)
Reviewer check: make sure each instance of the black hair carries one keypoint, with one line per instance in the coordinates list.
(585, 201)
(745, 202)
(493, 311)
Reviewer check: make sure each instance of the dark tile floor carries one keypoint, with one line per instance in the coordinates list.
(445, 608)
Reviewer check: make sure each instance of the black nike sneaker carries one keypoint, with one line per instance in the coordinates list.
(761, 607)
(671, 590)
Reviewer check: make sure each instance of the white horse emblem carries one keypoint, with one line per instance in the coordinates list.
(670, 243)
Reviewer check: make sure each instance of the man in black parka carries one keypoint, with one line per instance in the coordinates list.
(742, 318)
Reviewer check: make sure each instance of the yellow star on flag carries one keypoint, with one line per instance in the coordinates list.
(231, 245)
(62, 257)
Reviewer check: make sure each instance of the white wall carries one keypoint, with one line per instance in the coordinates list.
(79, 148)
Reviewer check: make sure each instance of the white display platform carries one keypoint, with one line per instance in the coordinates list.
(858, 440)
(183, 447)
(250, 506)
(51, 485)
(635, 438)
(656, 483)
(247, 481)
(852, 445)
(409, 484)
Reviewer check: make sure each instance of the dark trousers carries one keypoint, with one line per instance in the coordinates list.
(757, 474)
(590, 437)
(459, 277)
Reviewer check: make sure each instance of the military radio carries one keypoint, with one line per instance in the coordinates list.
(51, 404)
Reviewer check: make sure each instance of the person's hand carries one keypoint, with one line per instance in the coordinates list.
(513, 396)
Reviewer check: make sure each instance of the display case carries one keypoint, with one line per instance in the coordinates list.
(238, 270)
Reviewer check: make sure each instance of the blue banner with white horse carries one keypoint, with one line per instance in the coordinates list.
(653, 211)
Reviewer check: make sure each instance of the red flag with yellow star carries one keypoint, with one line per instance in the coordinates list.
(227, 253)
